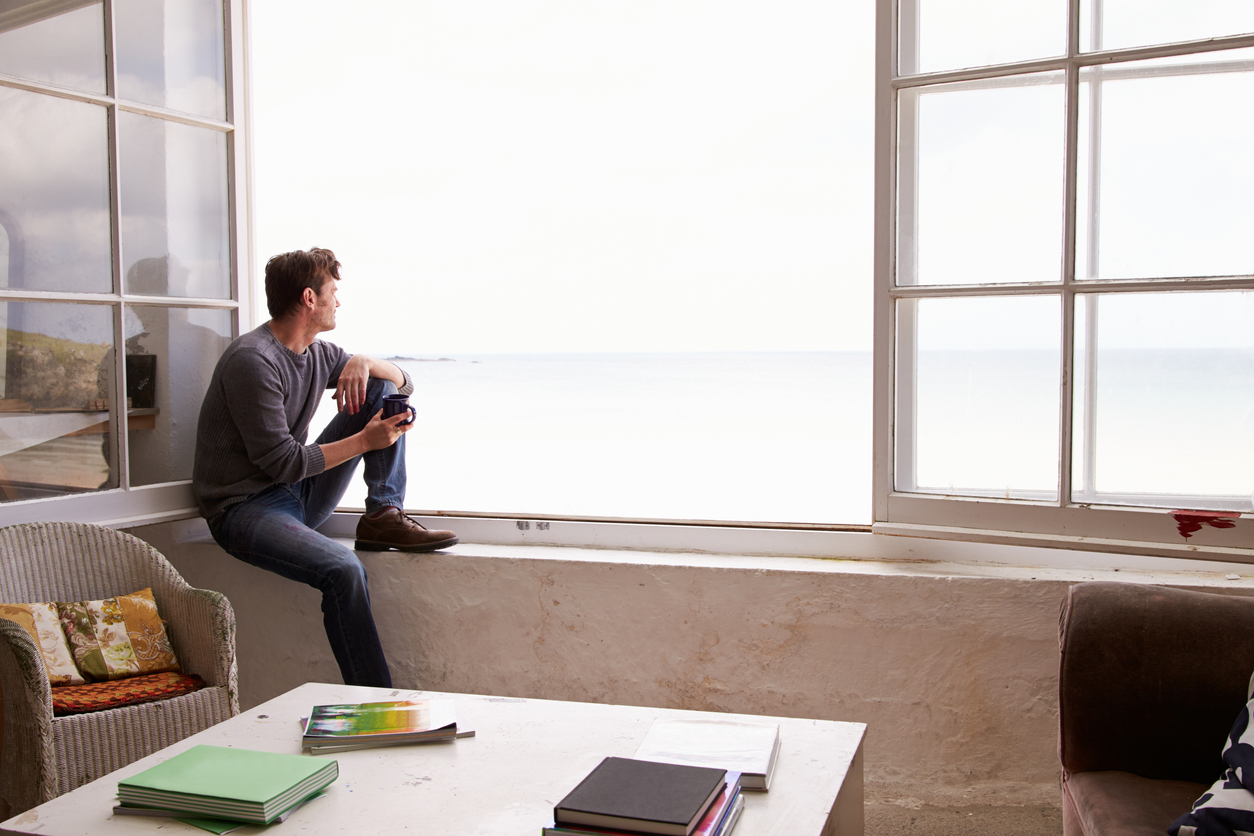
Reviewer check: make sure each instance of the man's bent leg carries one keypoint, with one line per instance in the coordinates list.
(384, 525)
(268, 531)
(323, 492)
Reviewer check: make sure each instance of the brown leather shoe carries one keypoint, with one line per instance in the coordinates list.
(389, 528)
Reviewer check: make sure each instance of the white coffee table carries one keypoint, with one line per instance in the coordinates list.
(525, 756)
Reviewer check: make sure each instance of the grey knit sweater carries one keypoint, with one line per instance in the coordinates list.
(255, 418)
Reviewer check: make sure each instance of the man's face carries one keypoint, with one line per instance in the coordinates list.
(325, 304)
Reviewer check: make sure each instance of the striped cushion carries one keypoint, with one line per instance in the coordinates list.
(115, 638)
(1228, 806)
(97, 696)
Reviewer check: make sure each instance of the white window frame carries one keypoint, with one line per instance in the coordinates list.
(1062, 522)
(127, 504)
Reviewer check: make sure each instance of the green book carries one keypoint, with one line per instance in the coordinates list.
(239, 784)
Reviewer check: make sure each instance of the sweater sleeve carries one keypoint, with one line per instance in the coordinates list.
(257, 403)
(338, 357)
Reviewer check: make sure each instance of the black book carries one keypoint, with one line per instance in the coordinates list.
(644, 796)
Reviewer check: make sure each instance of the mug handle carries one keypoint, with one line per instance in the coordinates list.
(413, 416)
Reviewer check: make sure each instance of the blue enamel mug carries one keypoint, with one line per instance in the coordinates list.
(395, 405)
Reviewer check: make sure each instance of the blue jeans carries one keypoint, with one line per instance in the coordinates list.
(274, 530)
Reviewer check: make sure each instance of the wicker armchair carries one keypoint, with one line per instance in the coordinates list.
(42, 756)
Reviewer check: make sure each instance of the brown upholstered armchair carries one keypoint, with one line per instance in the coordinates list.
(1150, 683)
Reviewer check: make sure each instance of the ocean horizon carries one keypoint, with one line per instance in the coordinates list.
(749, 437)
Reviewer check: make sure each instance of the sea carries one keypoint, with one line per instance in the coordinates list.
(786, 437)
(750, 437)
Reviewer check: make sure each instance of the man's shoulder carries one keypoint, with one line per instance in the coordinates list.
(246, 349)
(259, 352)
(329, 352)
(259, 340)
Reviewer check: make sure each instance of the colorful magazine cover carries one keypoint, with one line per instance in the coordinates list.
(404, 717)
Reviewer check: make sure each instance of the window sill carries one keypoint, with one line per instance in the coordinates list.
(824, 552)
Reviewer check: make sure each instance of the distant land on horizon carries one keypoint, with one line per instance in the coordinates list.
(421, 359)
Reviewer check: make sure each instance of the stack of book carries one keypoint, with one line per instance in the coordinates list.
(748, 748)
(628, 796)
(233, 784)
(340, 728)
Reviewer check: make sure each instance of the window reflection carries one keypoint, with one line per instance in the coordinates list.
(54, 399)
(170, 356)
(58, 43)
(170, 54)
(175, 237)
(54, 203)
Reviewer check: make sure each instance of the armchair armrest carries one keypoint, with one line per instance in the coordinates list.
(26, 724)
(1151, 678)
(201, 626)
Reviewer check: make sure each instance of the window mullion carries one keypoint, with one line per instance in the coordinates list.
(1089, 452)
(1092, 221)
(110, 52)
(117, 415)
(884, 258)
(1066, 429)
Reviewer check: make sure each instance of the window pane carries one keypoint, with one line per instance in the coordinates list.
(174, 209)
(170, 355)
(978, 396)
(980, 183)
(54, 203)
(170, 54)
(951, 34)
(61, 48)
(1166, 169)
(54, 399)
(1165, 399)
(1116, 24)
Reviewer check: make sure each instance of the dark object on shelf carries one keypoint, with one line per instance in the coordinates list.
(141, 380)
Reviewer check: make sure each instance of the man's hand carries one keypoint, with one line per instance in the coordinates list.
(378, 433)
(350, 389)
(382, 432)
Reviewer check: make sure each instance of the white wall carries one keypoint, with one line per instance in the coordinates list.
(953, 667)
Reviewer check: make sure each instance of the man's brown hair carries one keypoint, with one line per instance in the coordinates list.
(288, 274)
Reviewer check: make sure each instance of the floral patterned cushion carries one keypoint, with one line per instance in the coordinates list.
(117, 637)
(44, 625)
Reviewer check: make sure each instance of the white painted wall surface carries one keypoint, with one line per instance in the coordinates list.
(953, 667)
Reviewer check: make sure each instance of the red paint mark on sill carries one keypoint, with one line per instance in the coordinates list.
(1190, 521)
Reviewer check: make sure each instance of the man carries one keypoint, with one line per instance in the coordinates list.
(264, 490)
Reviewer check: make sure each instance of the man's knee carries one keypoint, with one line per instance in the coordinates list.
(346, 575)
(379, 387)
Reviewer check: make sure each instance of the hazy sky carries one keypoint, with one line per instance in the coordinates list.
(565, 175)
(690, 175)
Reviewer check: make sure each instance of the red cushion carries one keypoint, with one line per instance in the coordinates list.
(97, 696)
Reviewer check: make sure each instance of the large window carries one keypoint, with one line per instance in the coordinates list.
(1065, 305)
(118, 248)
(624, 248)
